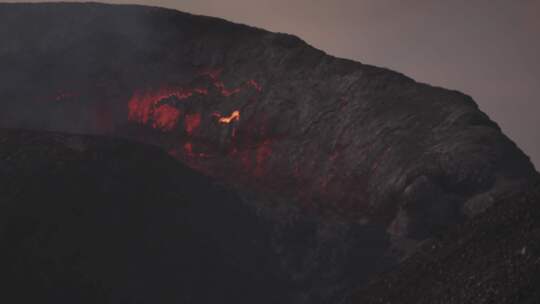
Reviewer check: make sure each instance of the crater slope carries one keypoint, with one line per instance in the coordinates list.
(353, 165)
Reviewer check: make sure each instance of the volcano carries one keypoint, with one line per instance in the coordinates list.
(348, 166)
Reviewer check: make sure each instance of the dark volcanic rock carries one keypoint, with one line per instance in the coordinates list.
(495, 258)
(97, 220)
(351, 164)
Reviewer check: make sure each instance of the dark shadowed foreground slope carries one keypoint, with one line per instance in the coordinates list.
(494, 258)
(96, 220)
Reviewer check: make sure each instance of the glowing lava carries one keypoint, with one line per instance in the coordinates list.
(155, 109)
(192, 122)
(142, 106)
(228, 119)
(165, 117)
(188, 148)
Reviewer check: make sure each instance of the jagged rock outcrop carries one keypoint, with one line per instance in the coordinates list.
(494, 258)
(352, 164)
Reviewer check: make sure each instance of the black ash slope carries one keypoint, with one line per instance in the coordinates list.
(97, 220)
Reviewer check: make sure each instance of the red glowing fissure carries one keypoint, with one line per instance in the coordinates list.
(151, 108)
(192, 122)
(144, 107)
(166, 117)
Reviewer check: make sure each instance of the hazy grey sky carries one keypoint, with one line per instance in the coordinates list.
(488, 49)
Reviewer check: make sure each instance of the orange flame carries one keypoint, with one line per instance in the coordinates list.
(233, 117)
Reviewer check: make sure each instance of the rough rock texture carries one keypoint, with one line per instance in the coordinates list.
(351, 164)
(495, 258)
